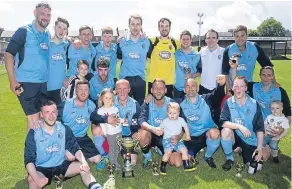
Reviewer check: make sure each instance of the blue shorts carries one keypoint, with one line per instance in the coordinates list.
(33, 95)
(274, 144)
(168, 145)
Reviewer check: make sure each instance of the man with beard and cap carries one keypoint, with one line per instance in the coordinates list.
(58, 58)
(28, 75)
(162, 57)
(76, 115)
(108, 50)
(45, 149)
(152, 114)
(101, 79)
(133, 51)
(85, 52)
(242, 125)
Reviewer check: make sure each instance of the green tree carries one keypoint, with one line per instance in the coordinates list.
(252, 33)
(271, 28)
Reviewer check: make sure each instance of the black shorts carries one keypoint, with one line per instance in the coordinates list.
(247, 150)
(169, 88)
(196, 143)
(157, 141)
(138, 88)
(50, 172)
(32, 97)
(55, 96)
(203, 90)
(87, 147)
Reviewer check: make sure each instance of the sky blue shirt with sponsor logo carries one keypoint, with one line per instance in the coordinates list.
(74, 55)
(134, 56)
(31, 50)
(78, 118)
(57, 65)
(264, 98)
(249, 115)
(109, 54)
(153, 114)
(96, 85)
(46, 150)
(132, 110)
(197, 115)
(185, 63)
(247, 60)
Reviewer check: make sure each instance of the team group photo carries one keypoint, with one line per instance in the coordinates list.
(110, 107)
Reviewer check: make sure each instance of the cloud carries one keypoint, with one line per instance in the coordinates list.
(6, 7)
(238, 12)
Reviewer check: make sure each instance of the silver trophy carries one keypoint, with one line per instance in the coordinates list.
(155, 170)
(239, 169)
(59, 181)
(110, 183)
(128, 145)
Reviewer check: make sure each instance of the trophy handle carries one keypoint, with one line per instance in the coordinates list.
(136, 147)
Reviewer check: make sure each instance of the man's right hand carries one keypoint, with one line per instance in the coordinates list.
(157, 131)
(40, 181)
(148, 98)
(13, 85)
(246, 133)
(113, 120)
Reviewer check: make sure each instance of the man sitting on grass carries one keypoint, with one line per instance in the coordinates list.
(45, 148)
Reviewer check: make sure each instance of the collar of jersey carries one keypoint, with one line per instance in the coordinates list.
(57, 128)
(247, 102)
(75, 106)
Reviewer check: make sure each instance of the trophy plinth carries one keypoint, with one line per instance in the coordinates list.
(59, 181)
(155, 169)
(128, 145)
(239, 168)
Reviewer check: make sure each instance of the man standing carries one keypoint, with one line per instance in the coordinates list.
(211, 57)
(85, 52)
(76, 114)
(28, 77)
(242, 123)
(247, 52)
(133, 52)
(162, 57)
(129, 109)
(101, 79)
(108, 50)
(197, 111)
(45, 148)
(187, 64)
(152, 114)
(58, 58)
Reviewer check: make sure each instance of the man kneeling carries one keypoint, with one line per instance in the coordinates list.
(44, 154)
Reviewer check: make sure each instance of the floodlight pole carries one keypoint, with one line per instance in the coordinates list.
(200, 22)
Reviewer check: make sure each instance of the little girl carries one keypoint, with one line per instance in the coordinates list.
(106, 107)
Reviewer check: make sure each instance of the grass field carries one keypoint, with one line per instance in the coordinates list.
(13, 174)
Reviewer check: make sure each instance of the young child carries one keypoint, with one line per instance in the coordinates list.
(172, 126)
(68, 90)
(106, 107)
(274, 123)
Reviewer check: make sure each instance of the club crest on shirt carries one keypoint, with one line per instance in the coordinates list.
(249, 57)
(164, 55)
(134, 55)
(248, 111)
(60, 135)
(170, 47)
(193, 117)
(219, 56)
(143, 46)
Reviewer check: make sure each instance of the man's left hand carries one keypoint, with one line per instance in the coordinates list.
(220, 79)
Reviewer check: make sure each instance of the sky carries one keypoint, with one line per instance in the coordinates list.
(219, 15)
